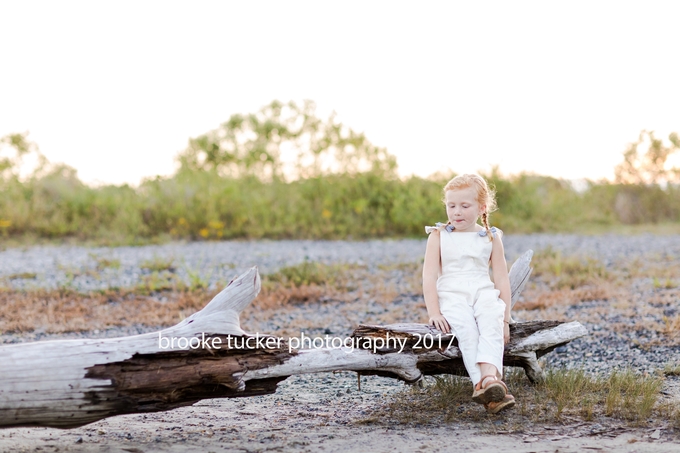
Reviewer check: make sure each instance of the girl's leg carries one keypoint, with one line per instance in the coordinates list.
(488, 312)
(460, 316)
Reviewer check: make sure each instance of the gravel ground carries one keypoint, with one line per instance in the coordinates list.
(318, 411)
(76, 267)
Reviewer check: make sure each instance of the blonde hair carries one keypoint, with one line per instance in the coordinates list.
(486, 196)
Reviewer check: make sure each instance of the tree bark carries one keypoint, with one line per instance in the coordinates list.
(70, 383)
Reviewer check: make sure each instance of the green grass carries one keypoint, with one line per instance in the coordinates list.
(623, 395)
(105, 263)
(305, 273)
(158, 281)
(205, 206)
(158, 264)
(567, 271)
(310, 273)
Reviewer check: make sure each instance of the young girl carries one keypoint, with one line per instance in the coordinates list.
(459, 295)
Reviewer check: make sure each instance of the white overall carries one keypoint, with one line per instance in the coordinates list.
(469, 301)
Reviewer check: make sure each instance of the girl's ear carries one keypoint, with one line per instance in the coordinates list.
(482, 209)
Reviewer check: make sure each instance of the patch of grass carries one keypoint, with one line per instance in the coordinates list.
(156, 282)
(303, 282)
(23, 275)
(621, 395)
(670, 412)
(671, 369)
(158, 264)
(72, 273)
(407, 267)
(63, 310)
(538, 300)
(671, 327)
(663, 269)
(277, 295)
(567, 271)
(665, 284)
(631, 396)
(105, 263)
(306, 273)
(443, 398)
(568, 388)
(197, 280)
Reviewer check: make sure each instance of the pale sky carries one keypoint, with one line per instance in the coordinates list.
(115, 89)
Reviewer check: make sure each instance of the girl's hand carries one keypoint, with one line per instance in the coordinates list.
(439, 321)
(506, 332)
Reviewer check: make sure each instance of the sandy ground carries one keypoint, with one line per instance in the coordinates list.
(335, 417)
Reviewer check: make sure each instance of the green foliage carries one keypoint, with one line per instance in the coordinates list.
(14, 148)
(158, 264)
(254, 144)
(340, 187)
(649, 166)
(206, 206)
(308, 273)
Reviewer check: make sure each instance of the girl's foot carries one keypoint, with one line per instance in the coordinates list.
(496, 407)
(489, 389)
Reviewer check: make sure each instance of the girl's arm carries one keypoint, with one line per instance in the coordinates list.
(431, 268)
(501, 280)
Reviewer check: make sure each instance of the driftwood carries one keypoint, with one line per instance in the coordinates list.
(70, 383)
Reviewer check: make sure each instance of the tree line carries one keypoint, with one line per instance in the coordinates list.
(284, 172)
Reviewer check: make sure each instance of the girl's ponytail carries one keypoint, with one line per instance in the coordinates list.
(485, 222)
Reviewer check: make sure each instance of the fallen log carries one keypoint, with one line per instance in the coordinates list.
(69, 383)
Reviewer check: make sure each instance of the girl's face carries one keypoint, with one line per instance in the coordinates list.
(462, 209)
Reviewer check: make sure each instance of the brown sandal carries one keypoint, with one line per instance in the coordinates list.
(491, 393)
(495, 407)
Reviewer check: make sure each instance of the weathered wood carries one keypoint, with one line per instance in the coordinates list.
(519, 275)
(528, 341)
(69, 383)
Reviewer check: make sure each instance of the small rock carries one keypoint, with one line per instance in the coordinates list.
(79, 440)
(656, 434)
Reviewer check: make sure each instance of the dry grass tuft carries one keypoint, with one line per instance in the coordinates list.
(622, 395)
(540, 299)
(568, 271)
(278, 295)
(159, 264)
(305, 282)
(671, 369)
(161, 299)
(62, 311)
